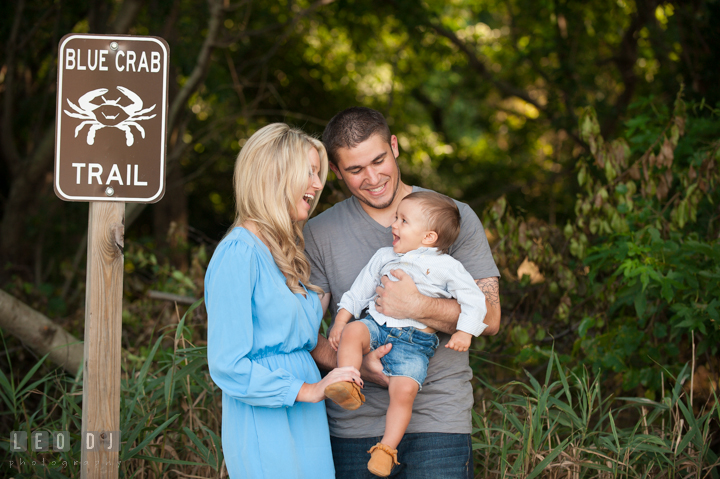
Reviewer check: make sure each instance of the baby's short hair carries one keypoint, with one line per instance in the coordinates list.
(442, 215)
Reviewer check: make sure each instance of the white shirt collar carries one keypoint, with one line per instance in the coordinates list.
(422, 250)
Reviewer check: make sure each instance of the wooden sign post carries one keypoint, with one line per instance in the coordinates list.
(102, 346)
(109, 149)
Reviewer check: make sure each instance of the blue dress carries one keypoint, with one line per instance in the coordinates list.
(260, 335)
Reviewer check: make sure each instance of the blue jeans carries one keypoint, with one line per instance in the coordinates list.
(411, 351)
(428, 455)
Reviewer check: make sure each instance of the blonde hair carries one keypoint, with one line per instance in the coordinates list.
(271, 174)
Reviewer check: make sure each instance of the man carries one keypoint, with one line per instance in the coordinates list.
(339, 243)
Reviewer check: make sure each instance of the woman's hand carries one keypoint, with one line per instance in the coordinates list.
(315, 392)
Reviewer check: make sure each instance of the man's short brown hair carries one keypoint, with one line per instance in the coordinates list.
(442, 216)
(351, 127)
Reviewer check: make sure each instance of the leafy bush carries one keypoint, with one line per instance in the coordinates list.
(632, 282)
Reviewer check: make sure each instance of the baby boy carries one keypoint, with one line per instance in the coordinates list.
(426, 225)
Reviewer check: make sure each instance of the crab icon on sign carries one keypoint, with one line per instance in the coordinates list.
(110, 113)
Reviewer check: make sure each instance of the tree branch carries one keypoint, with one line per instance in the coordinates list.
(126, 16)
(506, 88)
(23, 192)
(436, 113)
(201, 66)
(281, 39)
(625, 61)
(36, 26)
(40, 333)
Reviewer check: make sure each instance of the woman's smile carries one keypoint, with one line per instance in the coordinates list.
(304, 204)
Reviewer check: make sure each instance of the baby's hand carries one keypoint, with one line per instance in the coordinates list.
(334, 335)
(460, 341)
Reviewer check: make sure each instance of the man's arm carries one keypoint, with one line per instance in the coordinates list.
(401, 299)
(324, 355)
(491, 289)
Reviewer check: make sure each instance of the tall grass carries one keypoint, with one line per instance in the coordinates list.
(565, 427)
(169, 414)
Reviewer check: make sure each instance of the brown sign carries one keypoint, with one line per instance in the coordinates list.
(111, 111)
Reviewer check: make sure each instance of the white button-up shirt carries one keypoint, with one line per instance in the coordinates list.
(435, 274)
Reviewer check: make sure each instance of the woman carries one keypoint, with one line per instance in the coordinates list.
(264, 315)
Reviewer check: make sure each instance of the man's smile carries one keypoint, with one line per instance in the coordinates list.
(378, 190)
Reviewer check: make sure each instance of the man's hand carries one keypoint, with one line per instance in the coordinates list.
(401, 299)
(372, 369)
(398, 299)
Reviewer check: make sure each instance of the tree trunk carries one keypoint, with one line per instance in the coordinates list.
(40, 333)
(170, 219)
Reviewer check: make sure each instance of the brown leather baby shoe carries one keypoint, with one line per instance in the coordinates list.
(345, 394)
(382, 459)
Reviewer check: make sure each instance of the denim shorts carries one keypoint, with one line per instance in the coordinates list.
(411, 351)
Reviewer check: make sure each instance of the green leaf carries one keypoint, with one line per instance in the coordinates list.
(9, 395)
(150, 437)
(202, 450)
(640, 304)
(563, 379)
(540, 468)
(712, 309)
(685, 441)
(30, 374)
(660, 330)
(587, 323)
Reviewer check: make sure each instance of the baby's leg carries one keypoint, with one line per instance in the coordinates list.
(402, 395)
(354, 344)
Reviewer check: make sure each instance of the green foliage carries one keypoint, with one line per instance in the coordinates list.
(170, 421)
(631, 282)
(654, 254)
(169, 413)
(566, 426)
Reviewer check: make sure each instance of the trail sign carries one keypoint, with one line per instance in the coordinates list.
(110, 133)
(111, 118)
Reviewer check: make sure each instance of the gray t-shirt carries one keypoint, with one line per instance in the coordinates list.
(339, 243)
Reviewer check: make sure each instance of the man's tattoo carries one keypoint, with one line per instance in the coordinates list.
(491, 288)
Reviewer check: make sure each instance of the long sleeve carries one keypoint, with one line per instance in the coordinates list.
(230, 282)
(470, 297)
(363, 289)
